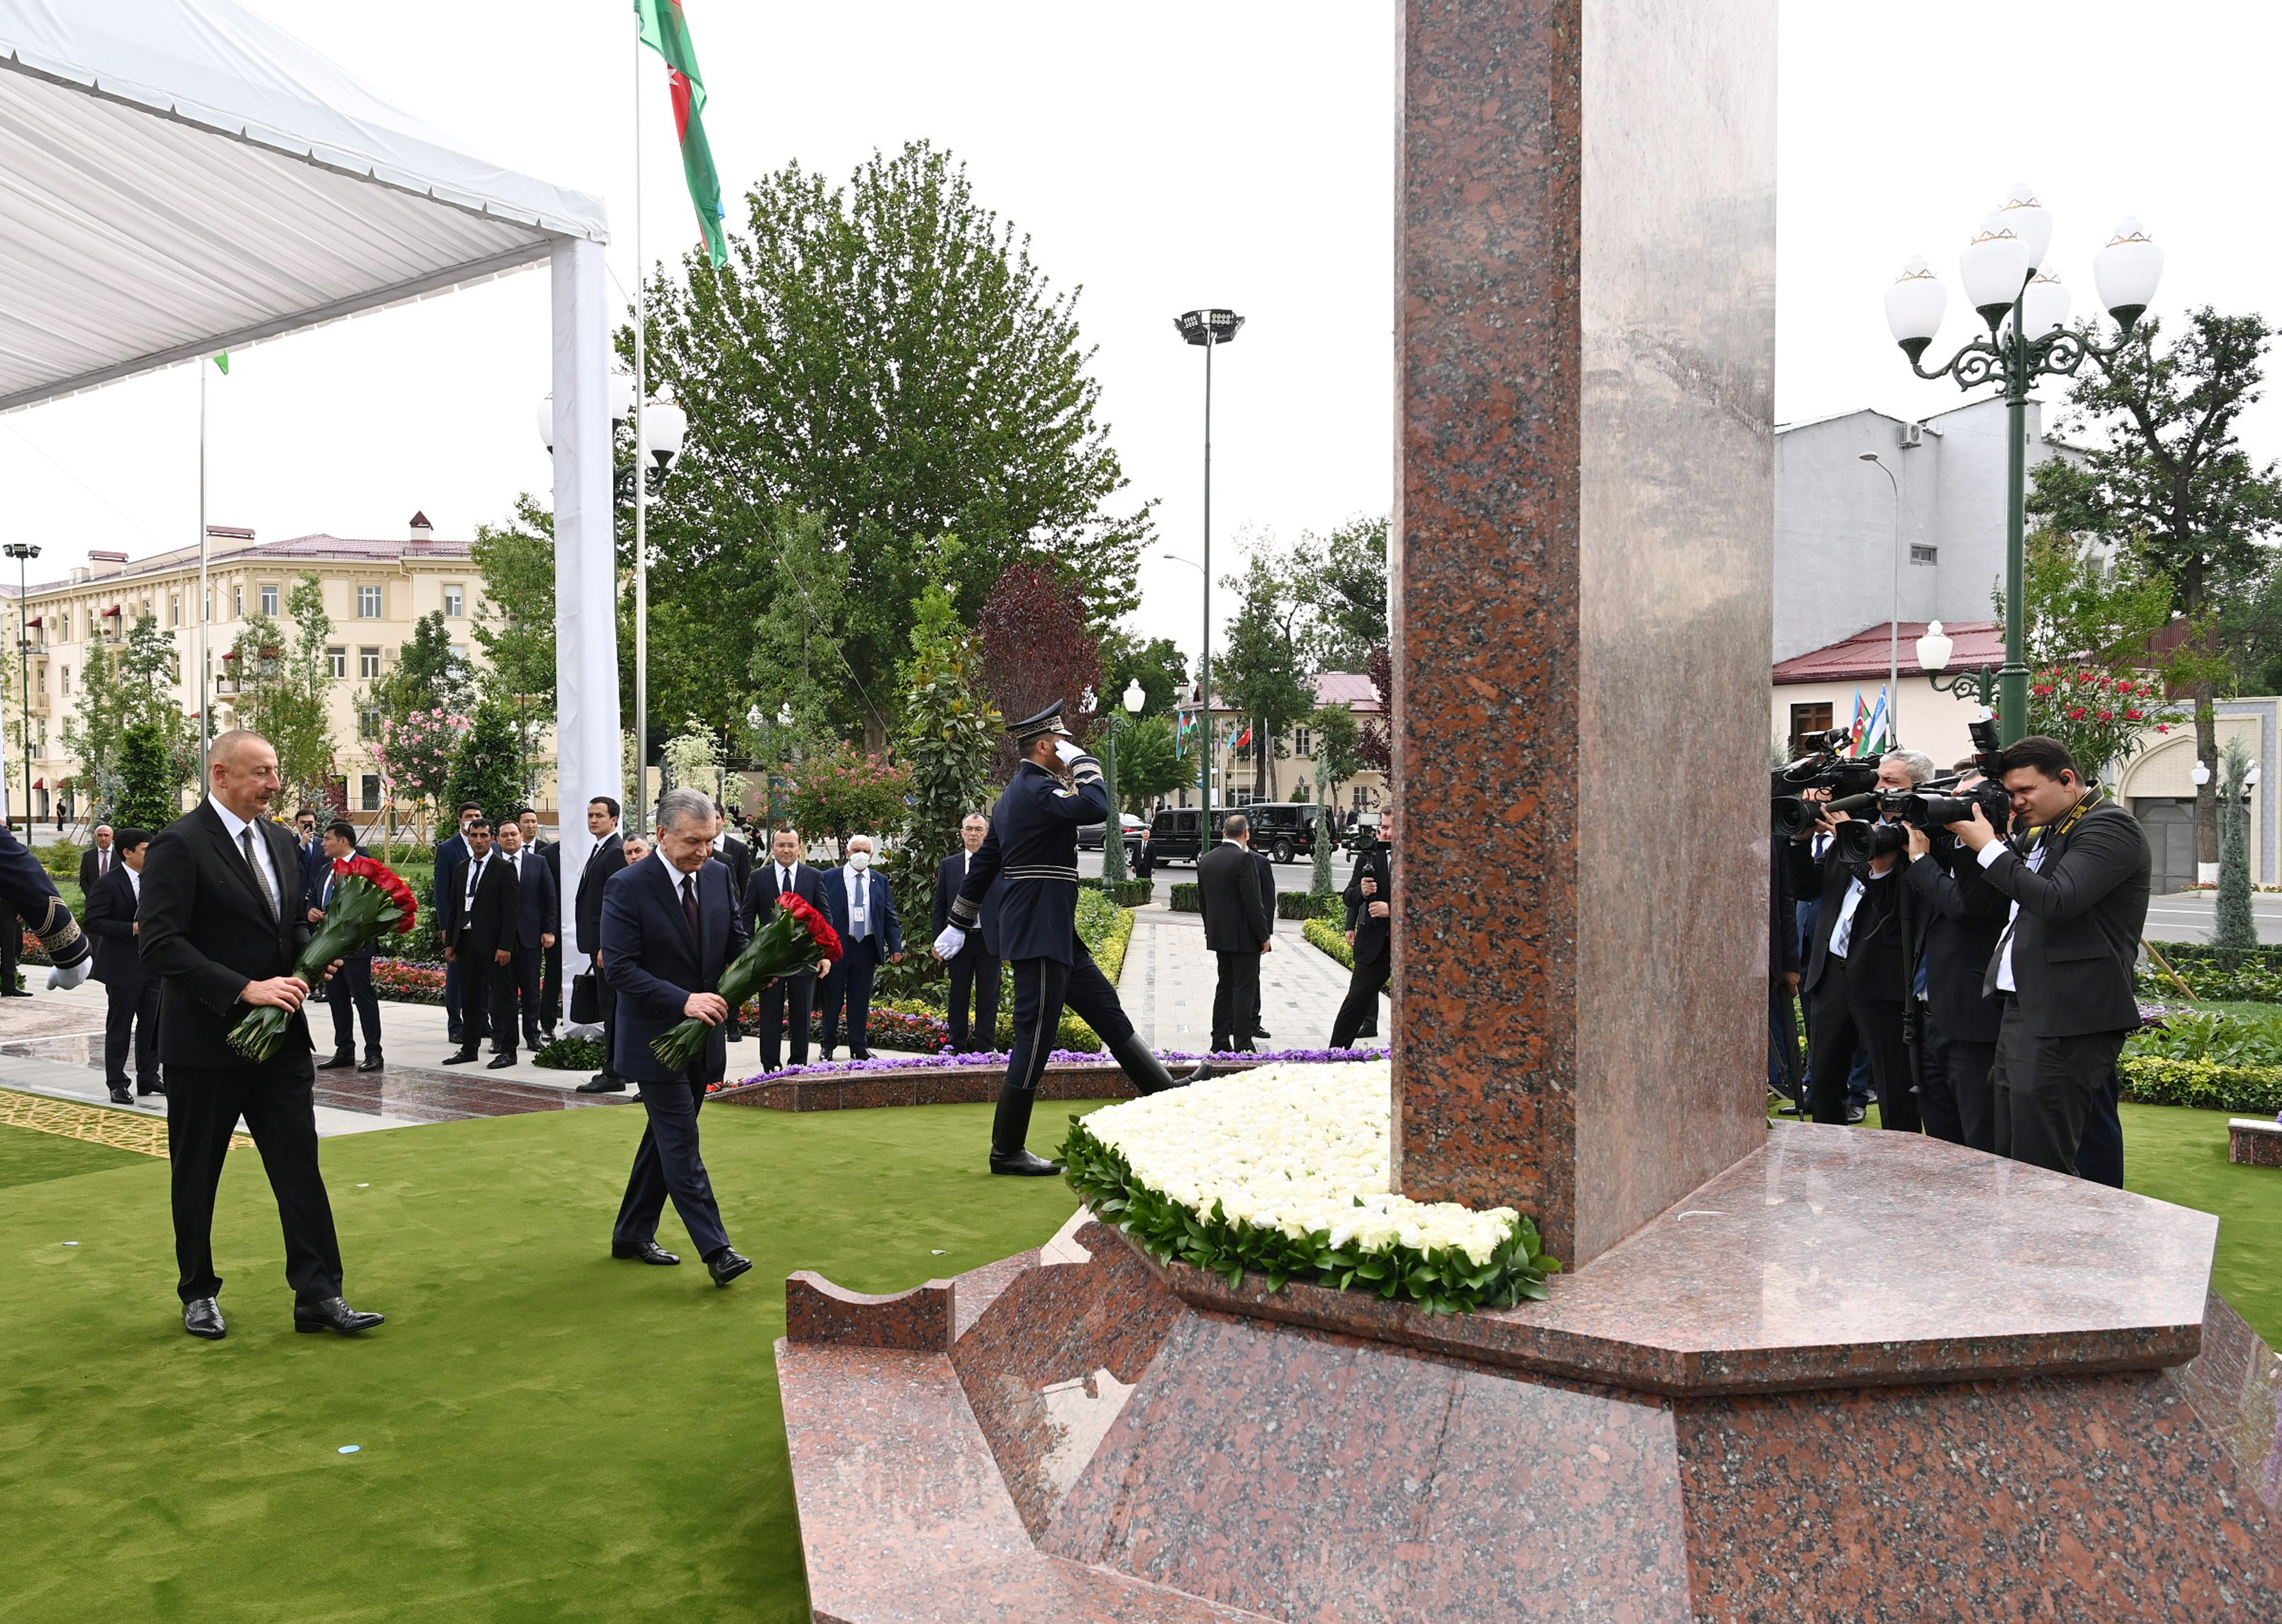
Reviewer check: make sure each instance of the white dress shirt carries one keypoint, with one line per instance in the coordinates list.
(859, 903)
(236, 826)
(1987, 858)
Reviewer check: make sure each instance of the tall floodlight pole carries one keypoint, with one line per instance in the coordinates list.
(205, 606)
(2026, 309)
(23, 552)
(1210, 329)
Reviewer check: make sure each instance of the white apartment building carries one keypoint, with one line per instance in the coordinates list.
(374, 590)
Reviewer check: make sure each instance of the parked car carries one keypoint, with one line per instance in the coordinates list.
(1090, 836)
(1285, 830)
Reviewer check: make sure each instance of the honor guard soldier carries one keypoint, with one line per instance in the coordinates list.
(26, 889)
(1022, 886)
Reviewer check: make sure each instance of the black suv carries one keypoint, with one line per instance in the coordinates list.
(1285, 830)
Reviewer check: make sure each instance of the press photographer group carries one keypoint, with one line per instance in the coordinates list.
(1959, 945)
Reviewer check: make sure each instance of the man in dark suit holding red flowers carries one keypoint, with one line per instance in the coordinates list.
(351, 990)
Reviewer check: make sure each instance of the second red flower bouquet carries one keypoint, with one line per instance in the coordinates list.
(792, 941)
(371, 900)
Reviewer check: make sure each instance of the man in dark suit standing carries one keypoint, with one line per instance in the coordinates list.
(550, 958)
(1964, 915)
(2062, 970)
(731, 853)
(99, 861)
(1370, 908)
(539, 911)
(220, 929)
(350, 992)
(452, 855)
(479, 935)
(862, 908)
(1237, 930)
(1855, 975)
(131, 992)
(309, 843)
(1265, 866)
(793, 998)
(609, 857)
(974, 969)
(670, 924)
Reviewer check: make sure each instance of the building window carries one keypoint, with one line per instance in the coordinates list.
(369, 602)
(67, 686)
(368, 792)
(238, 603)
(174, 663)
(1919, 554)
(368, 723)
(269, 601)
(368, 663)
(337, 662)
(455, 601)
(210, 604)
(1301, 745)
(460, 653)
(1807, 719)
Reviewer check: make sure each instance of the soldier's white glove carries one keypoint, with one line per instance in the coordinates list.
(1067, 750)
(69, 975)
(951, 943)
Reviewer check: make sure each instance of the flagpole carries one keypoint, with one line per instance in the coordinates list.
(641, 485)
(206, 592)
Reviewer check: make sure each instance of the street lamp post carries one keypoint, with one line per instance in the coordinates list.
(2025, 307)
(24, 552)
(1894, 625)
(1113, 829)
(1933, 650)
(1209, 328)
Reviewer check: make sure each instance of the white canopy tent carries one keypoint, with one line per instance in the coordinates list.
(179, 177)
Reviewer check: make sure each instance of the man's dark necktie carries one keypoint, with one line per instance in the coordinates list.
(689, 904)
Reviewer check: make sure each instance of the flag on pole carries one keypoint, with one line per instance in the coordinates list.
(1874, 731)
(1243, 739)
(1856, 732)
(221, 360)
(666, 31)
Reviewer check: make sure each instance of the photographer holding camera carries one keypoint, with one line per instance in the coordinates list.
(1963, 916)
(1857, 976)
(2062, 970)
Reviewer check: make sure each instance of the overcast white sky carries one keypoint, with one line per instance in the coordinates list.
(1239, 152)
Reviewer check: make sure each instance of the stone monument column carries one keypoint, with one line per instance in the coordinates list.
(1582, 601)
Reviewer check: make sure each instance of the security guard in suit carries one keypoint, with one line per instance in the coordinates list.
(26, 889)
(1022, 887)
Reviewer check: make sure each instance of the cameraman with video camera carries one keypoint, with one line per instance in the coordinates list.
(2062, 970)
(1962, 916)
(1857, 974)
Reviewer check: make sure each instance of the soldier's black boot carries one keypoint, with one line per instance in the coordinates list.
(1009, 1131)
(1145, 1070)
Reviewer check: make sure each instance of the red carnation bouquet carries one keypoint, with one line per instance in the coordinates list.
(795, 939)
(369, 900)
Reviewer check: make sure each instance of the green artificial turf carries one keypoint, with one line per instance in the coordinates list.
(547, 1434)
(28, 1156)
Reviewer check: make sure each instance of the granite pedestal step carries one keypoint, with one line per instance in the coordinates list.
(2110, 1452)
(2253, 1141)
(924, 1085)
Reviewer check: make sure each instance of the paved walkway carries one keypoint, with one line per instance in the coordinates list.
(1167, 986)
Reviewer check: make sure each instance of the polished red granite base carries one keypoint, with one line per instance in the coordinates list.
(1097, 1444)
(934, 1086)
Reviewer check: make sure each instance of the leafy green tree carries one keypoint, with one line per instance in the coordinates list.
(1158, 665)
(1349, 570)
(489, 769)
(293, 692)
(149, 778)
(2237, 936)
(1264, 674)
(1339, 756)
(840, 793)
(796, 655)
(515, 624)
(950, 735)
(2082, 610)
(428, 675)
(1147, 763)
(885, 356)
(2171, 484)
(91, 731)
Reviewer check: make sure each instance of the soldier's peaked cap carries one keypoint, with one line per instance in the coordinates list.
(1047, 721)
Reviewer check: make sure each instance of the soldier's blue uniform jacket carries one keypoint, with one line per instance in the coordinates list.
(1023, 883)
(26, 888)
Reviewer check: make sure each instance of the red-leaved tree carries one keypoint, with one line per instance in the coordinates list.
(1376, 743)
(1037, 649)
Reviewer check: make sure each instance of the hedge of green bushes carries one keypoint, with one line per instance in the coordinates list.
(1124, 893)
(2207, 1085)
(1329, 937)
(1187, 897)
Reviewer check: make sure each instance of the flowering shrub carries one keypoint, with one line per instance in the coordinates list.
(415, 754)
(408, 983)
(2101, 716)
(1284, 1172)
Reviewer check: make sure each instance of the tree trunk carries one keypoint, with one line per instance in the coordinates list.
(1263, 761)
(2207, 794)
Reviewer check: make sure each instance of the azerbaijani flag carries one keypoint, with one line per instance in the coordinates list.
(1856, 733)
(666, 31)
(1242, 740)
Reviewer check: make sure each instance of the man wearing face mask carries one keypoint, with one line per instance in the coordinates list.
(1856, 974)
(862, 908)
(2062, 970)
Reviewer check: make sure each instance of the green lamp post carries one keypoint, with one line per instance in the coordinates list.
(2015, 293)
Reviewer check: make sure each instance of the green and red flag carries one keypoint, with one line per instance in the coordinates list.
(666, 31)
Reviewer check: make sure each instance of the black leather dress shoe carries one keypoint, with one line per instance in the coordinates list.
(1259, 1031)
(341, 1057)
(602, 1085)
(1022, 1164)
(157, 1088)
(499, 1062)
(459, 1057)
(372, 1061)
(334, 1314)
(202, 1317)
(726, 1265)
(120, 1096)
(643, 1251)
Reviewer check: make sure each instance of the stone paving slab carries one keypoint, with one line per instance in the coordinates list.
(1167, 986)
